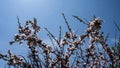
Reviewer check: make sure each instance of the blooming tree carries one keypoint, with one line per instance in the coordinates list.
(70, 51)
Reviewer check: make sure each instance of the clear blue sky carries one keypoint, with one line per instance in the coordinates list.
(48, 14)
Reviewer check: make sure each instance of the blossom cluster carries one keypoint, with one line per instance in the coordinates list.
(88, 50)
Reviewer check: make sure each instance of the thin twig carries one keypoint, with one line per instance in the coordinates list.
(51, 41)
(80, 20)
(66, 23)
(23, 58)
(106, 37)
(117, 26)
(18, 21)
(74, 60)
(60, 34)
(52, 36)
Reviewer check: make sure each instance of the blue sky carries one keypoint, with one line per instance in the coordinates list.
(48, 14)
